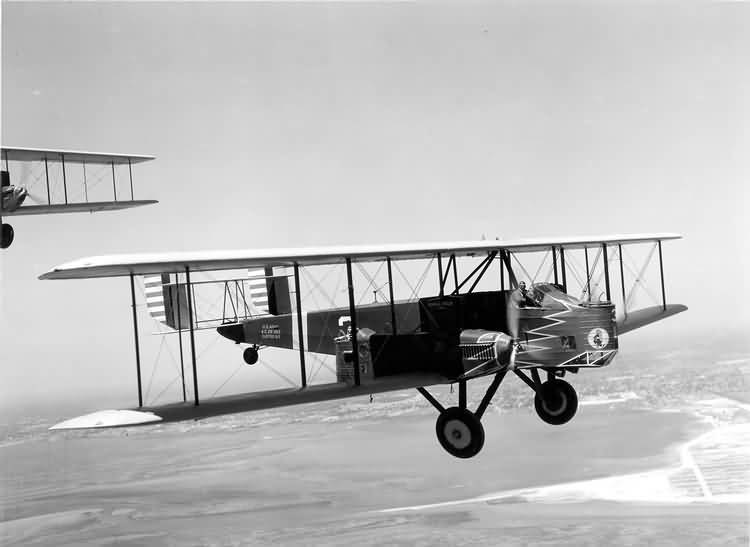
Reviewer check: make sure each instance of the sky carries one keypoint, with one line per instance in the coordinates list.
(315, 124)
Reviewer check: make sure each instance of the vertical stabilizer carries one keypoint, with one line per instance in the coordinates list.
(258, 290)
(162, 301)
(269, 292)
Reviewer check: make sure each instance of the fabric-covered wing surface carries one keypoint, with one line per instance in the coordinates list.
(151, 263)
(85, 207)
(71, 156)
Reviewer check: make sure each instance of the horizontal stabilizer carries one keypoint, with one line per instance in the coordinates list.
(108, 418)
(646, 316)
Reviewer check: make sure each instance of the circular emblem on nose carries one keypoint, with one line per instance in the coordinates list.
(598, 338)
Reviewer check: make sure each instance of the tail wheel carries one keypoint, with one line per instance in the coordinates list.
(6, 236)
(460, 432)
(556, 402)
(250, 355)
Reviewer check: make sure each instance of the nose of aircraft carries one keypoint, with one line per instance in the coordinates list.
(234, 332)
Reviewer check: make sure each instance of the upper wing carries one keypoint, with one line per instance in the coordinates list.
(152, 263)
(75, 156)
(84, 207)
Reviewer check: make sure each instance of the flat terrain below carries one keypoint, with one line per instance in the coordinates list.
(627, 470)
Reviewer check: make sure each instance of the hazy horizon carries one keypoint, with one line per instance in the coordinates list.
(289, 125)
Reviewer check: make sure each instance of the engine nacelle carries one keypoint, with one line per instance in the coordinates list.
(483, 350)
(11, 197)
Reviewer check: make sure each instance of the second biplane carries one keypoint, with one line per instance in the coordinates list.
(61, 194)
(450, 337)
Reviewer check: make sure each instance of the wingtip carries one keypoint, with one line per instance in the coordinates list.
(108, 418)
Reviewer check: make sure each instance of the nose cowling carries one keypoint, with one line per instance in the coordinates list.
(234, 332)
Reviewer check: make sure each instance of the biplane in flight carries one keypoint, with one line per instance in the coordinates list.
(473, 324)
(71, 182)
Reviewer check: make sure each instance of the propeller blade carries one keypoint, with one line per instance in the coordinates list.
(36, 198)
(512, 361)
(513, 314)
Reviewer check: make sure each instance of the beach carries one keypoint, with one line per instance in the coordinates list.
(372, 473)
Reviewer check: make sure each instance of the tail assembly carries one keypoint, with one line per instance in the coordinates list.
(271, 322)
(262, 294)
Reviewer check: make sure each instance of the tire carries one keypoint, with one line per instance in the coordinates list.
(250, 355)
(460, 432)
(557, 402)
(6, 236)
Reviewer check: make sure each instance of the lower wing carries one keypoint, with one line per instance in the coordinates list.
(86, 207)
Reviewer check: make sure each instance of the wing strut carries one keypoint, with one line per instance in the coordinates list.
(65, 180)
(554, 263)
(482, 266)
(588, 275)
(390, 295)
(622, 282)
(440, 273)
(661, 274)
(179, 335)
(130, 172)
(300, 330)
(505, 256)
(192, 333)
(563, 271)
(114, 183)
(46, 175)
(85, 186)
(606, 271)
(137, 348)
(444, 278)
(353, 321)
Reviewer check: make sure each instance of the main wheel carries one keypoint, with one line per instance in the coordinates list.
(250, 355)
(460, 432)
(556, 402)
(6, 236)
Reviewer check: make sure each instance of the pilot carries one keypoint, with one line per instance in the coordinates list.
(521, 296)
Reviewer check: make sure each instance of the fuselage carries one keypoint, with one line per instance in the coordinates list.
(555, 329)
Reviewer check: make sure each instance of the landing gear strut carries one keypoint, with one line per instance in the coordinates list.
(6, 236)
(250, 355)
(458, 429)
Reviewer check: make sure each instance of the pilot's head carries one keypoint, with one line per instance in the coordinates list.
(522, 286)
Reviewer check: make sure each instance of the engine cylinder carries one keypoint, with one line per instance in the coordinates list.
(483, 350)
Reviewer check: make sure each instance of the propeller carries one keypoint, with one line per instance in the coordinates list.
(25, 181)
(34, 197)
(513, 316)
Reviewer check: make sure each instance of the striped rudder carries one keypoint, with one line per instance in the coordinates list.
(258, 291)
(155, 292)
(269, 293)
